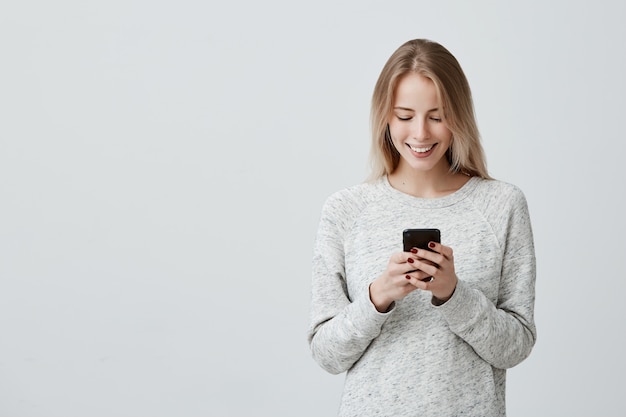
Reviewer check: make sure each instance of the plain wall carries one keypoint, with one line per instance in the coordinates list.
(163, 165)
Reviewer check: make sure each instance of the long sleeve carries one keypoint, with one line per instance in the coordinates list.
(503, 334)
(341, 329)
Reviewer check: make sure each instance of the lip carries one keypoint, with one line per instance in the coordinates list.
(422, 154)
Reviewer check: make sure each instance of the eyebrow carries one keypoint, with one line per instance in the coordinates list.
(408, 109)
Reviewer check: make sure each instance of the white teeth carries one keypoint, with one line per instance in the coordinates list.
(422, 150)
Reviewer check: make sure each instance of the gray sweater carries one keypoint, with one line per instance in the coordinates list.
(419, 359)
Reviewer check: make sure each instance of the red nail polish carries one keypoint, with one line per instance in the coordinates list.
(410, 260)
(414, 250)
(407, 276)
(431, 245)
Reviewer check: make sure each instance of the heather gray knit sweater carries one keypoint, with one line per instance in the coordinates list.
(420, 359)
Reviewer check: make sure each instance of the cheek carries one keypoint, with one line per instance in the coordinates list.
(397, 130)
(444, 133)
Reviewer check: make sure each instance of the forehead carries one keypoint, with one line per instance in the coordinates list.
(415, 90)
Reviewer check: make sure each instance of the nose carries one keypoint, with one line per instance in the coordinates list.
(419, 130)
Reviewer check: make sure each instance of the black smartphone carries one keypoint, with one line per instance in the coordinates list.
(419, 238)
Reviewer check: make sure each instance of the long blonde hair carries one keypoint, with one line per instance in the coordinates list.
(433, 61)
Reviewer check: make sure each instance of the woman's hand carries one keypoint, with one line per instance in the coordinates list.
(438, 264)
(408, 271)
(397, 281)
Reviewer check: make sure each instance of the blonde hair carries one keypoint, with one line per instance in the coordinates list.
(433, 61)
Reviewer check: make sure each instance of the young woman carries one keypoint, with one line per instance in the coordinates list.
(428, 333)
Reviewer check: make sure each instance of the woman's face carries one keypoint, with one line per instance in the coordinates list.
(416, 125)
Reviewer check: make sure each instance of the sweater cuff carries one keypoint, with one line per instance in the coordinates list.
(460, 308)
(367, 318)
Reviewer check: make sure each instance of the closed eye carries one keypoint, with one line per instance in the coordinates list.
(404, 119)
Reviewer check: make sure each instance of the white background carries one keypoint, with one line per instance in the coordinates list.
(163, 165)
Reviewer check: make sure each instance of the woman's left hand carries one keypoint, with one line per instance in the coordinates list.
(440, 265)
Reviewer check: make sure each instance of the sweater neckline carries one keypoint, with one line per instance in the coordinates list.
(437, 202)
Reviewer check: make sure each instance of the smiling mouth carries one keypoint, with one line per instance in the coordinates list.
(422, 150)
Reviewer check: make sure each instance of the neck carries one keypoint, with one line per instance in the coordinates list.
(435, 183)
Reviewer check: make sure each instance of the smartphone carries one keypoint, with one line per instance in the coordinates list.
(419, 238)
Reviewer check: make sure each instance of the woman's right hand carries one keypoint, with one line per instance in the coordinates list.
(396, 282)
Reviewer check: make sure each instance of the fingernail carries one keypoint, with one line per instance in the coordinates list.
(407, 276)
(431, 245)
(414, 250)
(410, 260)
